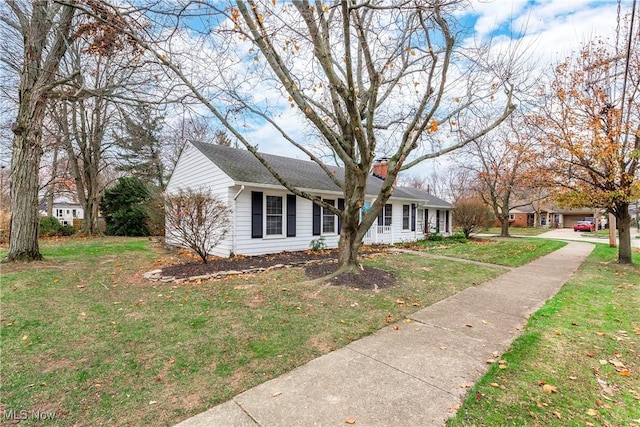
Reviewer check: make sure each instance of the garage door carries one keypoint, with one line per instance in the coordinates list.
(570, 220)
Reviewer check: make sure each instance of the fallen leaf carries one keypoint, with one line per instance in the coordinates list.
(573, 378)
(602, 334)
(152, 402)
(548, 388)
(276, 394)
(444, 347)
(485, 322)
(24, 337)
(396, 327)
(624, 372)
(617, 364)
(557, 332)
(468, 325)
(407, 320)
(603, 362)
(592, 412)
(350, 421)
(502, 366)
(557, 414)
(605, 387)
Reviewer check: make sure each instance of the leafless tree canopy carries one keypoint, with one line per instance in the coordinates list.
(197, 220)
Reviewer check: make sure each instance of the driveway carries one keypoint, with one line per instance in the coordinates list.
(569, 234)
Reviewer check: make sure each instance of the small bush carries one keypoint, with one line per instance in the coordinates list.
(459, 237)
(318, 244)
(51, 227)
(436, 237)
(67, 230)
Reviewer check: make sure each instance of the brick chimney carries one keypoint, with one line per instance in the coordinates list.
(381, 168)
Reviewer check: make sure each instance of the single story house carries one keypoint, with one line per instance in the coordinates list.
(267, 218)
(65, 211)
(550, 217)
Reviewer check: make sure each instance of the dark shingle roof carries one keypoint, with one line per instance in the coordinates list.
(243, 167)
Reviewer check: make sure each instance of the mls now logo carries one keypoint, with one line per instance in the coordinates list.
(22, 415)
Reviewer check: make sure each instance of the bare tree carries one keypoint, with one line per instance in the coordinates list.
(44, 30)
(503, 164)
(109, 83)
(471, 214)
(197, 220)
(368, 78)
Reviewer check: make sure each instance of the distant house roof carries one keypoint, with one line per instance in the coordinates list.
(553, 209)
(243, 167)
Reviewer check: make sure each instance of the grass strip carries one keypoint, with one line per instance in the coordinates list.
(577, 362)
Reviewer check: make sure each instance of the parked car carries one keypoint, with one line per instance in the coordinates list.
(584, 226)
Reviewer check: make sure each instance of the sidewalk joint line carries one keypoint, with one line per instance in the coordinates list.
(403, 372)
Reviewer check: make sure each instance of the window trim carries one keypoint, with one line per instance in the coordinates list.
(406, 217)
(326, 213)
(282, 215)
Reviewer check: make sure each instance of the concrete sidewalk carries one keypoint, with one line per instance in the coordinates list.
(414, 375)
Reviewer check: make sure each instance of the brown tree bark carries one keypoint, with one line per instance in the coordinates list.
(37, 79)
(623, 221)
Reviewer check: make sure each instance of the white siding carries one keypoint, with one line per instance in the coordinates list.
(194, 170)
(246, 245)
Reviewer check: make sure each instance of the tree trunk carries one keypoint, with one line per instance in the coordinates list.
(45, 43)
(25, 216)
(623, 220)
(504, 226)
(350, 243)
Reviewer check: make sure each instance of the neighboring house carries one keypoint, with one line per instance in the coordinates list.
(269, 219)
(550, 217)
(64, 211)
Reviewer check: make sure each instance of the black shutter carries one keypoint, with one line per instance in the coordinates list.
(291, 215)
(413, 216)
(381, 217)
(340, 207)
(426, 222)
(438, 221)
(316, 219)
(446, 225)
(256, 214)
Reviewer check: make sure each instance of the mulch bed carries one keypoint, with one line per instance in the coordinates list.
(369, 277)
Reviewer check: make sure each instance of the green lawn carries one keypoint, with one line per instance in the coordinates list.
(577, 362)
(516, 231)
(507, 252)
(84, 337)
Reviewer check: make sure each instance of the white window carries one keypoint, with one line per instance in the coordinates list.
(512, 217)
(406, 217)
(274, 216)
(328, 219)
(388, 214)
